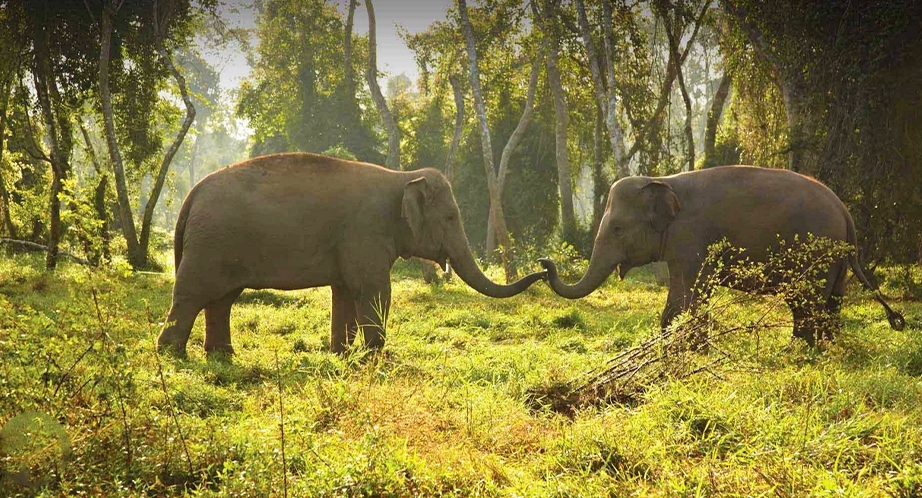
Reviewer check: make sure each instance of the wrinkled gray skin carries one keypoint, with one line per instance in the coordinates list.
(293, 221)
(675, 218)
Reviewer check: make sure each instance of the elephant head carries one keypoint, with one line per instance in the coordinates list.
(630, 234)
(435, 232)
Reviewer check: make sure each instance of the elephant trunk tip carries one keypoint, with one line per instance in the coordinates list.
(550, 269)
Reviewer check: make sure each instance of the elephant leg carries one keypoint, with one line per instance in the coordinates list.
(217, 323)
(343, 323)
(683, 296)
(834, 302)
(372, 307)
(179, 321)
(804, 324)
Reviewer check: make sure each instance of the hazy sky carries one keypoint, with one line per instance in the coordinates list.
(393, 56)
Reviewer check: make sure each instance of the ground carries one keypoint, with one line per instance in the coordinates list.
(445, 409)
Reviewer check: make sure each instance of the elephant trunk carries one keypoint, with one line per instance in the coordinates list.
(466, 267)
(599, 270)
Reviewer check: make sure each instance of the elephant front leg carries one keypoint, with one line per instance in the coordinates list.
(373, 306)
(343, 322)
(682, 297)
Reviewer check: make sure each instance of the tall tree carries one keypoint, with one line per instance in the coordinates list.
(455, 81)
(514, 140)
(603, 85)
(672, 38)
(713, 119)
(57, 124)
(547, 21)
(163, 20)
(496, 207)
(371, 77)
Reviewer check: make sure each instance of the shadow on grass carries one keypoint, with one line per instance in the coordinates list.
(268, 297)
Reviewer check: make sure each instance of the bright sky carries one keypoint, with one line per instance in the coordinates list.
(393, 56)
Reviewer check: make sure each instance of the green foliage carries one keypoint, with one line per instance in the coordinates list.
(294, 99)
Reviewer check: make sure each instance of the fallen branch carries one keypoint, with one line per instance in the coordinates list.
(32, 246)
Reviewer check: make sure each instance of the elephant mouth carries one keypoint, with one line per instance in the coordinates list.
(442, 262)
(623, 268)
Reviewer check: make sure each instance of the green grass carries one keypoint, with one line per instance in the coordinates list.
(444, 411)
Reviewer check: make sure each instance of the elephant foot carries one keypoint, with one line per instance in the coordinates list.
(171, 348)
(219, 349)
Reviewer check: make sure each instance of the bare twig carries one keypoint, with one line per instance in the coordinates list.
(278, 378)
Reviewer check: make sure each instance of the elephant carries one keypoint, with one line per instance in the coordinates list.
(676, 218)
(299, 220)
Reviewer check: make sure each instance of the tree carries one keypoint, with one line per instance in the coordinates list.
(564, 181)
(371, 77)
(496, 208)
(163, 22)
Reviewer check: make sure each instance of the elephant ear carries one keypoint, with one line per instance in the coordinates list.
(663, 205)
(416, 195)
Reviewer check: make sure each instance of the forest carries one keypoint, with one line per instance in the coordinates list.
(526, 125)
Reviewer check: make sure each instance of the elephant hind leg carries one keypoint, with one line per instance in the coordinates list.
(175, 334)
(217, 323)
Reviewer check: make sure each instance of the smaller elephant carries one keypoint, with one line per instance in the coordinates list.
(676, 218)
(293, 221)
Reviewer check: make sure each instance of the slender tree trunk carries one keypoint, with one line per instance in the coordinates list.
(459, 127)
(371, 77)
(713, 121)
(496, 207)
(126, 219)
(353, 135)
(616, 134)
(7, 88)
(99, 200)
(157, 187)
(564, 180)
(58, 126)
(514, 140)
(599, 182)
(671, 36)
(605, 96)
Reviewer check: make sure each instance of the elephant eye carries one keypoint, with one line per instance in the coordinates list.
(618, 230)
(450, 217)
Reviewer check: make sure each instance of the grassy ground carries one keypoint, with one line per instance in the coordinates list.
(444, 410)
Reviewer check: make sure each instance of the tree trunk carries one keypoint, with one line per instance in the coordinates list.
(99, 201)
(459, 127)
(599, 182)
(514, 140)
(371, 76)
(713, 121)
(616, 134)
(564, 181)
(157, 187)
(7, 88)
(496, 207)
(790, 81)
(58, 127)
(672, 36)
(604, 96)
(126, 219)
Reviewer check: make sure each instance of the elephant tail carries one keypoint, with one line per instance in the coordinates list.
(897, 322)
(180, 231)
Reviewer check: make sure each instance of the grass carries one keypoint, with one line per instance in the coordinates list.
(444, 410)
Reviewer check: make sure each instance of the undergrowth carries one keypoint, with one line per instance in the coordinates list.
(444, 411)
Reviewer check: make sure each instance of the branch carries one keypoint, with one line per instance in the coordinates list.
(664, 93)
(32, 246)
(523, 122)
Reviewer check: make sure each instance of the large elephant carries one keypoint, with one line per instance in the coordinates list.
(675, 218)
(293, 221)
